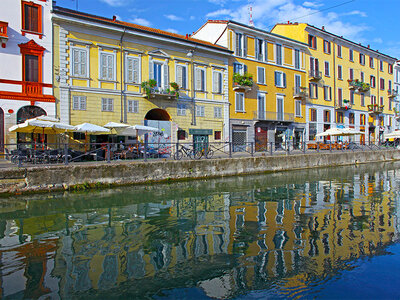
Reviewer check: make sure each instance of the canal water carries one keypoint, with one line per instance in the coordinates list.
(323, 233)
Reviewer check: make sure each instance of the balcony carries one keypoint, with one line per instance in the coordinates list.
(30, 91)
(358, 86)
(242, 82)
(32, 88)
(273, 116)
(343, 105)
(3, 33)
(300, 92)
(315, 75)
(151, 90)
(392, 93)
(375, 109)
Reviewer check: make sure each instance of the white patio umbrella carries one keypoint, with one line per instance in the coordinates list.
(330, 132)
(129, 130)
(351, 131)
(393, 135)
(141, 129)
(91, 129)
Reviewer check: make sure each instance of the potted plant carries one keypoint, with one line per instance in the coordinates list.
(148, 86)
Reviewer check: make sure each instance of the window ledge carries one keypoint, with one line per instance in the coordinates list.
(24, 31)
(108, 80)
(79, 77)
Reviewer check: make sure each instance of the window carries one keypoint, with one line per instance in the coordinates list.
(280, 79)
(181, 134)
(181, 76)
(239, 68)
(372, 81)
(381, 65)
(327, 69)
(239, 45)
(314, 67)
(132, 70)
(31, 17)
(371, 62)
(339, 117)
(390, 85)
(181, 109)
(79, 103)
(340, 75)
(133, 106)
(351, 55)
(31, 68)
(218, 112)
(217, 82)
(381, 101)
(382, 83)
(327, 116)
(79, 66)
(352, 96)
(327, 93)
(239, 102)
(340, 95)
(362, 96)
(297, 59)
(260, 49)
(260, 75)
(390, 68)
(107, 66)
(200, 111)
(298, 108)
(351, 74)
(278, 49)
(313, 115)
(362, 59)
(159, 72)
(200, 79)
(217, 135)
(312, 41)
(313, 90)
(362, 119)
(107, 104)
(339, 51)
(362, 76)
(373, 99)
(351, 118)
(327, 47)
(390, 104)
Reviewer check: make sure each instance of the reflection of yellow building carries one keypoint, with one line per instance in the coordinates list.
(273, 107)
(102, 66)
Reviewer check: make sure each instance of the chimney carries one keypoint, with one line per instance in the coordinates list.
(368, 46)
(114, 18)
(288, 22)
(187, 36)
(323, 28)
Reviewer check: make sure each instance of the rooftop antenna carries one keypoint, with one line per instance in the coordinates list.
(250, 8)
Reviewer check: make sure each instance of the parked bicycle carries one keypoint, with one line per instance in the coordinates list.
(184, 151)
(207, 152)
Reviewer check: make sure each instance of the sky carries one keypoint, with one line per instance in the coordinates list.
(370, 22)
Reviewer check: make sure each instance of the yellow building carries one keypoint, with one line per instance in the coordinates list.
(108, 70)
(350, 85)
(267, 74)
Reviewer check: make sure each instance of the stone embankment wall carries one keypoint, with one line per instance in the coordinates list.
(77, 176)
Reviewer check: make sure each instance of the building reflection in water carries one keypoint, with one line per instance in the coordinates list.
(225, 242)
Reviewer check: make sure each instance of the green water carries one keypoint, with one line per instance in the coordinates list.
(326, 233)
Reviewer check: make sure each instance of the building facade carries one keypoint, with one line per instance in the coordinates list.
(268, 74)
(26, 63)
(350, 85)
(396, 99)
(108, 70)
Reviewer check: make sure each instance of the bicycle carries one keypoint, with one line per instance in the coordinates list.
(184, 151)
(202, 152)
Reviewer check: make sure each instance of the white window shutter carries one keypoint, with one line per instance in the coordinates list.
(151, 69)
(166, 76)
(265, 51)
(244, 45)
(83, 63)
(75, 104)
(284, 79)
(215, 82)
(135, 68)
(179, 75)
(256, 46)
(184, 78)
(198, 80)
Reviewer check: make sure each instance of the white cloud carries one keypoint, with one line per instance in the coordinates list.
(173, 18)
(356, 13)
(192, 18)
(220, 12)
(140, 21)
(114, 3)
(312, 4)
(218, 2)
(171, 30)
(377, 40)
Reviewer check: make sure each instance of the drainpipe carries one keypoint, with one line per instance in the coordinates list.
(190, 55)
(123, 119)
(334, 83)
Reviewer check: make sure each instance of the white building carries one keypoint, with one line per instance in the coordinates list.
(26, 64)
(396, 89)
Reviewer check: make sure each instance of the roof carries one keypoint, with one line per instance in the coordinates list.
(252, 28)
(339, 37)
(115, 22)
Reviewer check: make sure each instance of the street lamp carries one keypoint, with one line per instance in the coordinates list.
(190, 55)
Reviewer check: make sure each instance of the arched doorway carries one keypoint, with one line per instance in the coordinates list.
(29, 112)
(159, 142)
(1, 130)
(157, 114)
(25, 113)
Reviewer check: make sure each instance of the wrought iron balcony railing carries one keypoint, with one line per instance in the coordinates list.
(300, 92)
(315, 75)
(375, 108)
(273, 116)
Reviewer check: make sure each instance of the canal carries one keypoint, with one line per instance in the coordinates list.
(326, 233)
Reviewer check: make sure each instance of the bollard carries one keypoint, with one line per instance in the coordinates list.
(317, 146)
(176, 149)
(108, 154)
(145, 151)
(287, 148)
(251, 149)
(270, 148)
(66, 154)
(19, 159)
(230, 149)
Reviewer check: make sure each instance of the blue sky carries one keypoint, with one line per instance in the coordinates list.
(370, 22)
